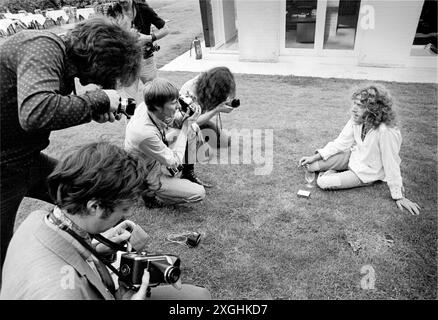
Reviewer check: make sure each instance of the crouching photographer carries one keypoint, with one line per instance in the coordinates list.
(168, 140)
(140, 16)
(64, 253)
(215, 91)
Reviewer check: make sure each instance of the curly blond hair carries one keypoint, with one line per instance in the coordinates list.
(377, 102)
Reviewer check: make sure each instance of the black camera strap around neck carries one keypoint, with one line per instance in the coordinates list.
(162, 133)
(87, 246)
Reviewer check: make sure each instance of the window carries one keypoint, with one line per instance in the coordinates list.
(341, 24)
(300, 23)
(425, 41)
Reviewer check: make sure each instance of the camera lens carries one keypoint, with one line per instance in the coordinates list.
(130, 108)
(172, 275)
(235, 103)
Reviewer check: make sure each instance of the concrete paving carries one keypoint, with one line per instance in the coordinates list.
(322, 67)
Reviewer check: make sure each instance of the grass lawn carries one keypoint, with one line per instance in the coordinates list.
(262, 241)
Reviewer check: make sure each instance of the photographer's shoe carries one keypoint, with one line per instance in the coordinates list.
(188, 173)
(193, 178)
(152, 202)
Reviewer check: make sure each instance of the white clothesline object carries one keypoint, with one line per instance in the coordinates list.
(5, 23)
(85, 12)
(55, 14)
(27, 20)
(14, 16)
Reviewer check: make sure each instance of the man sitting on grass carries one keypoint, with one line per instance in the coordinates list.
(367, 149)
(150, 132)
(52, 256)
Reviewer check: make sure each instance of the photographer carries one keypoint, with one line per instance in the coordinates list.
(214, 90)
(52, 254)
(150, 131)
(37, 72)
(141, 16)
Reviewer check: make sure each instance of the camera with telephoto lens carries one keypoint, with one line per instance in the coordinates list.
(127, 107)
(162, 268)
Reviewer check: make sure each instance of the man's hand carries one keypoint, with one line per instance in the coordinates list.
(114, 99)
(197, 112)
(306, 161)
(144, 38)
(118, 234)
(412, 207)
(110, 116)
(126, 294)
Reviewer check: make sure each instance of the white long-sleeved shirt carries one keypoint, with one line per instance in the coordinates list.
(375, 158)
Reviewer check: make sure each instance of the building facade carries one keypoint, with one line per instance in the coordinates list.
(383, 33)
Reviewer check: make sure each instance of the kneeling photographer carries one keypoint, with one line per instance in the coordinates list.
(64, 253)
(215, 91)
(168, 139)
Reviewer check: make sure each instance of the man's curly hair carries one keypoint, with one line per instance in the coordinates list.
(213, 87)
(377, 102)
(104, 53)
(98, 171)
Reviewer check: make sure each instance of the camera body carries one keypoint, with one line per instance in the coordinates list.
(186, 105)
(162, 268)
(150, 48)
(127, 107)
(235, 103)
(174, 171)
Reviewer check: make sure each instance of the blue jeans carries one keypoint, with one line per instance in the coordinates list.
(19, 181)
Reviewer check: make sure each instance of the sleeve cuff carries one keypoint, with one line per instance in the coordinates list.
(100, 102)
(322, 153)
(396, 193)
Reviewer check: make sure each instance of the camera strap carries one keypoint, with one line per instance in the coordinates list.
(162, 133)
(219, 127)
(86, 245)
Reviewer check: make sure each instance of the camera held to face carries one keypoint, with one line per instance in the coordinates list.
(235, 103)
(186, 105)
(162, 268)
(127, 107)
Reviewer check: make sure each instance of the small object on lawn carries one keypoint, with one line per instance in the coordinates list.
(389, 239)
(355, 245)
(303, 193)
(190, 239)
